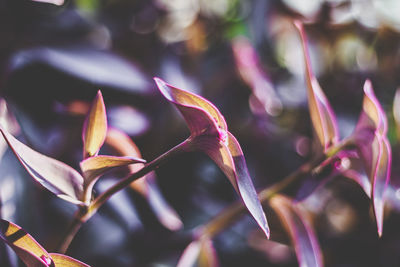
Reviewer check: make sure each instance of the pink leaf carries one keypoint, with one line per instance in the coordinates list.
(322, 115)
(301, 233)
(374, 149)
(209, 134)
(95, 127)
(201, 116)
(54, 175)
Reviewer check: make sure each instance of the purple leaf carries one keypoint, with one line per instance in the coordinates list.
(54, 175)
(201, 116)
(374, 149)
(322, 116)
(95, 127)
(301, 233)
(210, 135)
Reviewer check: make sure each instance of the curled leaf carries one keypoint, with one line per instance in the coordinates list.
(54, 175)
(61, 260)
(26, 247)
(209, 134)
(199, 253)
(374, 149)
(95, 127)
(201, 116)
(123, 145)
(304, 240)
(322, 115)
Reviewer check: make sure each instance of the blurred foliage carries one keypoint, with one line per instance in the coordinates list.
(54, 58)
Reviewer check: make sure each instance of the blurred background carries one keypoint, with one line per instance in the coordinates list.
(246, 58)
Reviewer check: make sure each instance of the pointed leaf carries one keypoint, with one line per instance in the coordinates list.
(380, 183)
(24, 245)
(231, 160)
(322, 115)
(209, 134)
(303, 237)
(199, 253)
(201, 116)
(54, 175)
(374, 148)
(93, 167)
(61, 260)
(95, 127)
(123, 145)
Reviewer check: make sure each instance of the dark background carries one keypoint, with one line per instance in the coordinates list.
(52, 56)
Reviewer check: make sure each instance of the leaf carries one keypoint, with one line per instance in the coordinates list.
(301, 233)
(54, 2)
(372, 116)
(95, 127)
(380, 183)
(61, 260)
(322, 115)
(54, 175)
(30, 251)
(26, 247)
(231, 160)
(209, 134)
(201, 116)
(374, 149)
(123, 145)
(201, 252)
(93, 167)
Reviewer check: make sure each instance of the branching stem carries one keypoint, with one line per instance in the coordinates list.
(84, 213)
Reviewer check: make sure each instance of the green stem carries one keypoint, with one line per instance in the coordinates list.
(232, 213)
(85, 213)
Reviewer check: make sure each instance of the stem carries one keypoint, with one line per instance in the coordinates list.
(232, 213)
(85, 213)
